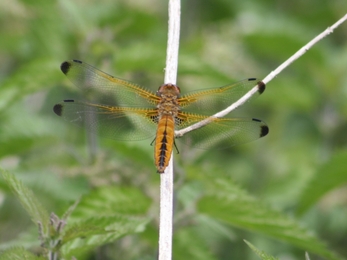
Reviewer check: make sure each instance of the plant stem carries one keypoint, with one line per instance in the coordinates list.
(266, 80)
(166, 178)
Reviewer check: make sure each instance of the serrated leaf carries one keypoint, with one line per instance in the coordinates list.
(331, 175)
(83, 230)
(261, 254)
(69, 211)
(32, 205)
(22, 80)
(189, 245)
(18, 253)
(107, 201)
(228, 203)
(114, 226)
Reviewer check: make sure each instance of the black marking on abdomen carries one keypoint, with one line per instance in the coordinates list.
(163, 150)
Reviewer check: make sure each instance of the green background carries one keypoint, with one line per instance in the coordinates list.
(299, 169)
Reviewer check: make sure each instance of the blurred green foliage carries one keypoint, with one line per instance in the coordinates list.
(296, 174)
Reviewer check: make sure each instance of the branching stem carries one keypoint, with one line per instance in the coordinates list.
(266, 80)
(166, 179)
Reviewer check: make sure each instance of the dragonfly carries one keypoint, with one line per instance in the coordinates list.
(127, 111)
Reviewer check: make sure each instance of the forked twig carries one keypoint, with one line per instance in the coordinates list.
(266, 80)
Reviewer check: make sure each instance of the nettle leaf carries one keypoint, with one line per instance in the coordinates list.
(106, 201)
(226, 202)
(83, 230)
(97, 231)
(331, 175)
(18, 253)
(21, 83)
(261, 254)
(188, 244)
(28, 200)
(103, 216)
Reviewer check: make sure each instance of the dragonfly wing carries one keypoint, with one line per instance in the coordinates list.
(106, 88)
(210, 101)
(221, 132)
(120, 123)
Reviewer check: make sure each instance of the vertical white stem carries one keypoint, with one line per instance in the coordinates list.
(166, 213)
(166, 178)
(173, 41)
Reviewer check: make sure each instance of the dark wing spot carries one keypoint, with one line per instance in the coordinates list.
(69, 100)
(65, 67)
(78, 61)
(261, 87)
(58, 109)
(252, 79)
(264, 130)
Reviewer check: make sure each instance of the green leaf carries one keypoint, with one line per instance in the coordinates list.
(188, 244)
(331, 175)
(18, 253)
(228, 203)
(102, 216)
(261, 254)
(83, 230)
(69, 211)
(28, 200)
(30, 77)
(98, 231)
(107, 201)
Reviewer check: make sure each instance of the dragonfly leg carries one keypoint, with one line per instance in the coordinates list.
(176, 148)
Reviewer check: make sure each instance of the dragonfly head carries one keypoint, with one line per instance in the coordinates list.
(168, 89)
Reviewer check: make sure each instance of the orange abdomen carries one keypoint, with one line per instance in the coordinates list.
(163, 142)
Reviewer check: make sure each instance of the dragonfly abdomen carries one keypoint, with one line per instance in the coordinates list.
(163, 142)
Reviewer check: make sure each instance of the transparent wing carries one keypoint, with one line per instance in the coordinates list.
(120, 123)
(106, 88)
(138, 120)
(210, 101)
(221, 132)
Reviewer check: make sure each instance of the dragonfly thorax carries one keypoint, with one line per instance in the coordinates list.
(168, 103)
